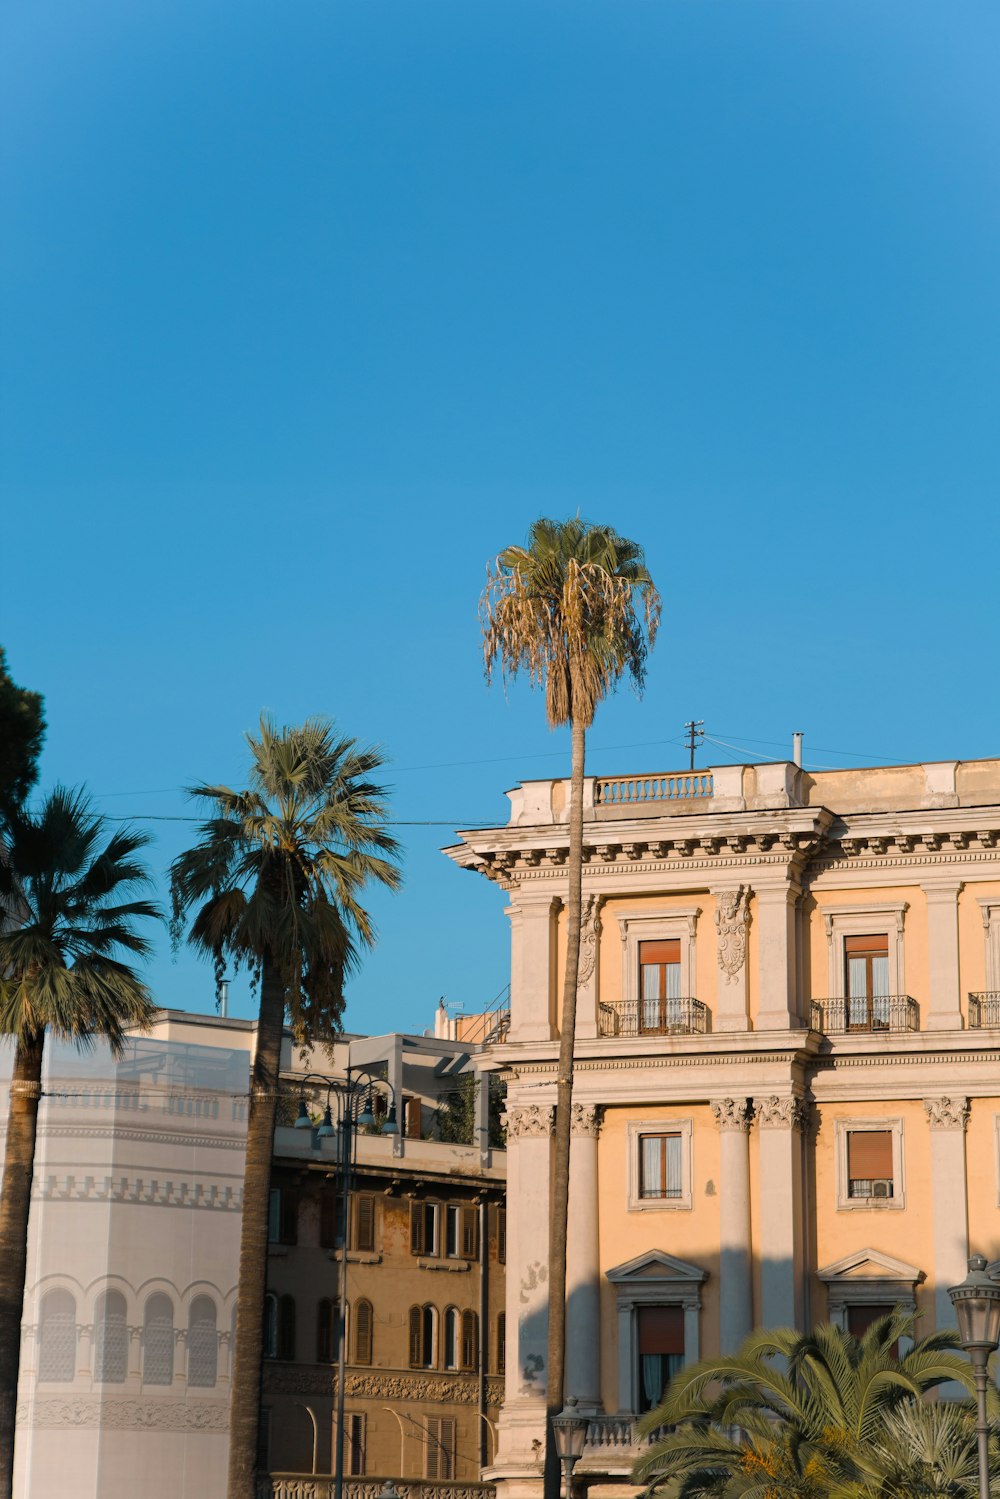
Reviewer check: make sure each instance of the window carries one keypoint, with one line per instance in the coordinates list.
(424, 1220)
(869, 1163)
(502, 1235)
(282, 1216)
(660, 1337)
(286, 1327)
(846, 923)
(264, 1440)
(439, 1452)
(324, 1331)
(659, 985)
(158, 1341)
(202, 1344)
(111, 1339)
(461, 1232)
(452, 1337)
(861, 1316)
(57, 1338)
(659, 1164)
(270, 1326)
(423, 1337)
(866, 982)
(502, 1343)
(330, 1216)
(354, 1444)
(363, 1208)
(363, 1331)
(470, 1340)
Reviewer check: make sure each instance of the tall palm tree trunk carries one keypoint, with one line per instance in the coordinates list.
(15, 1205)
(559, 1200)
(244, 1401)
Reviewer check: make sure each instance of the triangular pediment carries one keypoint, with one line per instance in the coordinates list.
(871, 1264)
(655, 1265)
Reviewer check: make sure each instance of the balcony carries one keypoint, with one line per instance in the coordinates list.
(613, 1443)
(984, 1011)
(653, 1017)
(881, 1012)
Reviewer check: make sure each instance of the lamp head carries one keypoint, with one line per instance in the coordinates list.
(977, 1307)
(390, 1127)
(303, 1121)
(326, 1129)
(570, 1430)
(367, 1116)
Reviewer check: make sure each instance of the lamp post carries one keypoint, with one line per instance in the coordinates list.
(570, 1431)
(977, 1308)
(348, 1091)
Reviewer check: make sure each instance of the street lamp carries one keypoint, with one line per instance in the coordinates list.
(977, 1308)
(570, 1432)
(348, 1091)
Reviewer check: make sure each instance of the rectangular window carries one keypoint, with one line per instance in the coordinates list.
(439, 1452)
(866, 982)
(282, 1215)
(452, 1216)
(660, 1166)
(861, 1317)
(501, 1343)
(354, 1444)
(364, 1222)
(274, 1216)
(661, 1351)
(659, 985)
(424, 1225)
(869, 1164)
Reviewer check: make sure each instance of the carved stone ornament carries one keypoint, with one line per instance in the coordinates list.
(731, 919)
(781, 1113)
(92, 1411)
(731, 1113)
(590, 932)
(947, 1113)
(586, 1118)
(531, 1121)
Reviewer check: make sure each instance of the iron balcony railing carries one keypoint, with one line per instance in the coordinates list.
(653, 1017)
(879, 1012)
(984, 1011)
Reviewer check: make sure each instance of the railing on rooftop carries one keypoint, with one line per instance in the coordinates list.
(652, 1017)
(984, 1011)
(880, 1012)
(625, 791)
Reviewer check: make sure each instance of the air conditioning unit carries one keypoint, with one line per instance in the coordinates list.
(882, 1187)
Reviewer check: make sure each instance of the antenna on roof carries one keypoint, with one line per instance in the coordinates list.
(695, 730)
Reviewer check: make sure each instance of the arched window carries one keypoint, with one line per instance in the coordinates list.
(363, 1326)
(158, 1341)
(502, 1343)
(286, 1327)
(470, 1340)
(270, 1325)
(111, 1339)
(423, 1337)
(203, 1343)
(57, 1338)
(324, 1331)
(452, 1337)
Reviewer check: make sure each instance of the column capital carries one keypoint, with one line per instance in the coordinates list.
(775, 1112)
(531, 1121)
(947, 1113)
(731, 1113)
(587, 1119)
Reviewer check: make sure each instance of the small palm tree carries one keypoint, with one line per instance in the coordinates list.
(928, 1452)
(70, 906)
(576, 608)
(792, 1416)
(273, 885)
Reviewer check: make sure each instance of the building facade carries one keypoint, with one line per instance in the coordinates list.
(787, 1095)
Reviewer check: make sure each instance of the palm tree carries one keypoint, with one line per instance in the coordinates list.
(564, 609)
(929, 1452)
(273, 885)
(70, 905)
(792, 1416)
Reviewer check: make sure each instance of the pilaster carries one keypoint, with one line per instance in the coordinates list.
(776, 921)
(532, 930)
(947, 1118)
(732, 1115)
(944, 1010)
(779, 1237)
(732, 922)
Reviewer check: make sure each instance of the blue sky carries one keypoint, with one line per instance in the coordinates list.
(310, 309)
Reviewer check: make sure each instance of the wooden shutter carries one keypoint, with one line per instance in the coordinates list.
(289, 1215)
(416, 1228)
(364, 1222)
(869, 1154)
(440, 1457)
(413, 1116)
(416, 1340)
(502, 1343)
(470, 1340)
(470, 1233)
(654, 953)
(863, 946)
(356, 1433)
(502, 1235)
(661, 1329)
(363, 1320)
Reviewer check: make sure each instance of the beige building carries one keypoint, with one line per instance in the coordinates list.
(787, 1094)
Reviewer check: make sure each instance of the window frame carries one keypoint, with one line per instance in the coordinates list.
(364, 1331)
(653, 1278)
(356, 1444)
(667, 925)
(873, 918)
(420, 1207)
(897, 1202)
(637, 1128)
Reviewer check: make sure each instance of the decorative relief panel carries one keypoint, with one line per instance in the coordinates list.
(531, 1121)
(126, 1415)
(732, 918)
(947, 1113)
(305, 1379)
(590, 934)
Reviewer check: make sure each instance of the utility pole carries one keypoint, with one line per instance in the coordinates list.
(695, 730)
